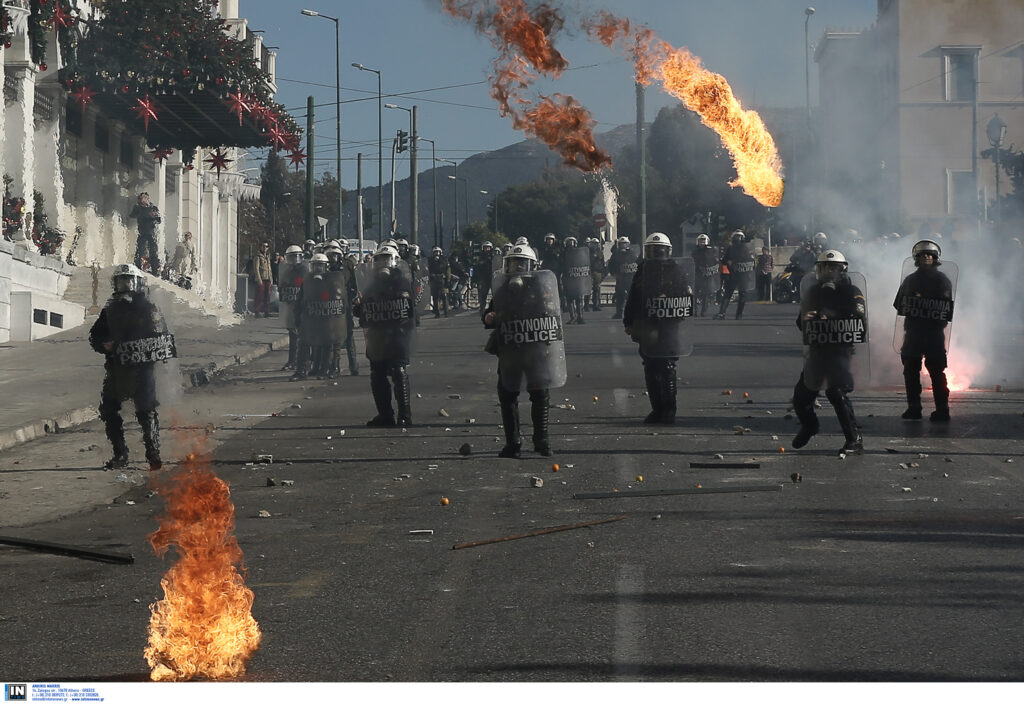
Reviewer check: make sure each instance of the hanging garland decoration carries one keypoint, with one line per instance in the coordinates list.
(218, 160)
(6, 27)
(180, 60)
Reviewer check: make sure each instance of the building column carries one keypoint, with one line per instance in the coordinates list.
(19, 145)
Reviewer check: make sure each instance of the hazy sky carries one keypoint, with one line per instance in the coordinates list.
(441, 65)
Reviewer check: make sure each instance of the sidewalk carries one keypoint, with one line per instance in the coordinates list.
(53, 384)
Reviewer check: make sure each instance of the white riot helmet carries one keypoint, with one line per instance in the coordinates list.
(830, 266)
(403, 245)
(293, 254)
(738, 236)
(549, 237)
(622, 243)
(521, 259)
(127, 279)
(486, 246)
(927, 246)
(437, 251)
(415, 249)
(703, 240)
(319, 264)
(522, 240)
(570, 242)
(385, 258)
(657, 246)
(820, 239)
(333, 252)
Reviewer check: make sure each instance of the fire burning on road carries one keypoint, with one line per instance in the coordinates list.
(204, 626)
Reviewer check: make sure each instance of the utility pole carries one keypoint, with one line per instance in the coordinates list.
(310, 212)
(394, 221)
(359, 203)
(641, 145)
(413, 147)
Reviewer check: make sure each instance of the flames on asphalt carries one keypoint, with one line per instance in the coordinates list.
(203, 627)
(524, 38)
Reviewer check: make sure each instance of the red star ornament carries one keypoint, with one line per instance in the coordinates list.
(239, 102)
(83, 95)
(291, 141)
(275, 135)
(297, 157)
(218, 160)
(61, 19)
(161, 153)
(145, 110)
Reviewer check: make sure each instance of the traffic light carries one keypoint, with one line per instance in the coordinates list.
(403, 141)
(721, 223)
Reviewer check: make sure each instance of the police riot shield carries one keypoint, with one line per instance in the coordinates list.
(627, 263)
(289, 285)
(666, 300)
(924, 307)
(497, 262)
(742, 268)
(528, 330)
(365, 276)
(706, 268)
(325, 307)
(839, 328)
(388, 316)
(576, 280)
(145, 354)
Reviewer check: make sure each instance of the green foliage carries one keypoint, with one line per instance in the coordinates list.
(559, 202)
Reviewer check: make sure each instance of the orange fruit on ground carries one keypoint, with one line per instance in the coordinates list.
(445, 501)
(555, 467)
(746, 395)
(782, 450)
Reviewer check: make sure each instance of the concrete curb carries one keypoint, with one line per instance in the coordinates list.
(191, 378)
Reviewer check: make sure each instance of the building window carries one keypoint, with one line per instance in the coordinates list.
(102, 136)
(73, 118)
(170, 180)
(958, 66)
(961, 197)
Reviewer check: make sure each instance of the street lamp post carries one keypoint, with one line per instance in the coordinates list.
(495, 210)
(807, 60)
(996, 132)
(414, 210)
(433, 173)
(380, 152)
(465, 195)
(455, 237)
(337, 100)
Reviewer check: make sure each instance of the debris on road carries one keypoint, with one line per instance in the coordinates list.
(544, 531)
(263, 458)
(536, 481)
(796, 478)
(287, 482)
(263, 513)
(454, 396)
(68, 551)
(442, 412)
(421, 532)
(728, 465)
(682, 491)
(466, 449)
(271, 481)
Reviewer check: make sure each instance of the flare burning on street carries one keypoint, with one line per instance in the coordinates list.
(203, 627)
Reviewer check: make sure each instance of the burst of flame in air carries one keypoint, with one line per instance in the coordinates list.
(203, 627)
(523, 38)
(743, 133)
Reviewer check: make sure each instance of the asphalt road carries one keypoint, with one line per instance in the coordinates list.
(904, 564)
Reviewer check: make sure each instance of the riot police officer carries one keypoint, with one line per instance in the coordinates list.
(622, 264)
(598, 270)
(483, 270)
(290, 275)
(739, 258)
(440, 276)
(341, 286)
(659, 299)
(924, 327)
(385, 309)
(576, 281)
(832, 318)
(525, 317)
(132, 334)
(313, 357)
(705, 267)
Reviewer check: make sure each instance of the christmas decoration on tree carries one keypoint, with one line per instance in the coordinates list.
(46, 238)
(6, 27)
(13, 210)
(83, 95)
(175, 59)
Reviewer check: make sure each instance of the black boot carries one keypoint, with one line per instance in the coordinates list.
(940, 392)
(912, 382)
(150, 423)
(293, 343)
(539, 415)
(403, 396)
(381, 390)
(301, 363)
(803, 406)
(844, 412)
(115, 433)
(668, 395)
(350, 349)
(510, 421)
(653, 380)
